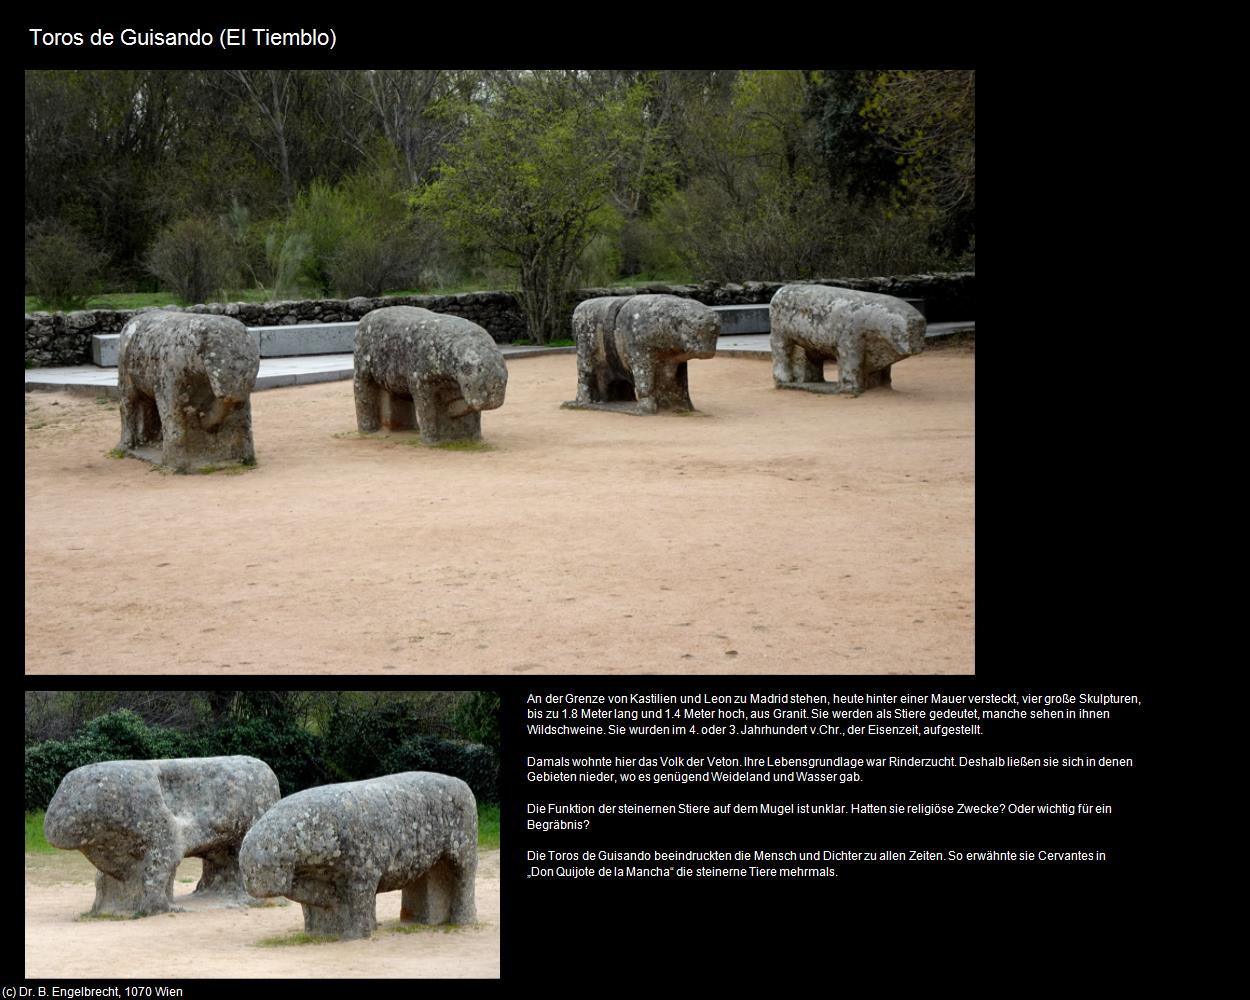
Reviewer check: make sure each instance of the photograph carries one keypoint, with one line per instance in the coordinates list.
(262, 834)
(514, 372)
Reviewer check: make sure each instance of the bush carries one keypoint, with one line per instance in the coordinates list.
(369, 261)
(357, 740)
(293, 753)
(475, 765)
(195, 258)
(477, 719)
(121, 735)
(48, 762)
(63, 270)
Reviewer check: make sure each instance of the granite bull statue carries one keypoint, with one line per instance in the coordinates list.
(186, 382)
(332, 849)
(416, 368)
(635, 348)
(865, 333)
(135, 820)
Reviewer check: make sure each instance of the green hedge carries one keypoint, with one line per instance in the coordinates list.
(358, 744)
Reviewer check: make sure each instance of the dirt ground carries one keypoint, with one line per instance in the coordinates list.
(225, 942)
(772, 532)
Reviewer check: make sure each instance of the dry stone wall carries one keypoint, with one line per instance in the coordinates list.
(65, 338)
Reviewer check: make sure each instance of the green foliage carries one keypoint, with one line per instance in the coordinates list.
(526, 185)
(62, 270)
(487, 825)
(477, 718)
(36, 843)
(476, 765)
(194, 258)
(360, 235)
(48, 762)
(125, 736)
(291, 751)
(360, 737)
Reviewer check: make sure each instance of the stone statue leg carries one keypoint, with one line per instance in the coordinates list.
(588, 379)
(429, 413)
(235, 433)
(443, 894)
(398, 411)
(879, 380)
(368, 403)
(809, 365)
(464, 890)
(643, 368)
(141, 424)
(850, 367)
(147, 888)
(117, 897)
(353, 914)
(173, 434)
(783, 368)
(672, 387)
(221, 874)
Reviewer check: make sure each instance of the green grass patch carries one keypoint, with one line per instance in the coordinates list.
(88, 915)
(295, 938)
(488, 825)
(35, 841)
(115, 453)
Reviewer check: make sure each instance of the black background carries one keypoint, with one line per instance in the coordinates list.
(1056, 549)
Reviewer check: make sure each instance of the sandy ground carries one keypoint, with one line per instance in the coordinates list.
(773, 532)
(220, 942)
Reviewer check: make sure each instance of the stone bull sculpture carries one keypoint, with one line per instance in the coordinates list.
(865, 333)
(135, 820)
(636, 348)
(425, 369)
(332, 849)
(186, 382)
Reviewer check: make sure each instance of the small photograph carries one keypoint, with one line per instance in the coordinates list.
(262, 834)
(557, 371)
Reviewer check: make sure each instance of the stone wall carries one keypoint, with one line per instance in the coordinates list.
(65, 338)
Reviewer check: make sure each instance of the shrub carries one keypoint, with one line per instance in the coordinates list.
(357, 740)
(475, 765)
(291, 751)
(477, 718)
(120, 735)
(123, 735)
(194, 258)
(63, 270)
(48, 762)
(370, 261)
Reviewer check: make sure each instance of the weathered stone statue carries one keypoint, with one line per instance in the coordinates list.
(334, 848)
(186, 382)
(632, 351)
(135, 820)
(863, 332)
(416, 368)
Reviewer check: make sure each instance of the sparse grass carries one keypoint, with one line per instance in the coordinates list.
(295, 938)
(186, 880)
(88, 915)
(115, 453)
(463, 446)
(488, 825)
(405, 928)
(36, 843)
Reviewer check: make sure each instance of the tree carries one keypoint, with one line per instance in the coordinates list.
(525, 182)
(929, 119)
